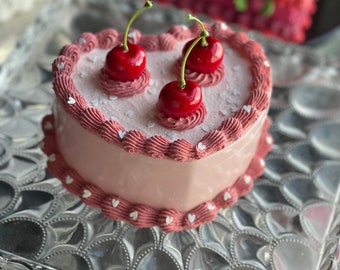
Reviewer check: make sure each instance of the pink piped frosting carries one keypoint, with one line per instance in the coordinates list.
(87, 42)
(124, 89)
(107, 38)
(180, 32)
(163, 42)
(182, 123)
(203, 79)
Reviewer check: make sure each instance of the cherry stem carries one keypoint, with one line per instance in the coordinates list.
(148, 4)
(241, 5)
(203, 34)
(193, 18)
(268, 8)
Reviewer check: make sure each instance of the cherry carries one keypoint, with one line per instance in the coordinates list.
(181, 98)
(125, 65)
(127, 61)
(177, 101)
(207, 56)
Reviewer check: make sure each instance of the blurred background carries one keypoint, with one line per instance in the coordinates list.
(323, 34)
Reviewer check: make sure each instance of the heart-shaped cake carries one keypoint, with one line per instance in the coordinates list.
(109, 145)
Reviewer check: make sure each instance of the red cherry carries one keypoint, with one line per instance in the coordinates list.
(204, 59)
(125, 65)
(176, 101)
(127, 61)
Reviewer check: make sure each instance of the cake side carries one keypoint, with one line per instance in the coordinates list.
(142, 214)
(173, 184)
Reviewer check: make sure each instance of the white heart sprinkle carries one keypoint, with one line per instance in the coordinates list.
(115, 202)
(134, 215)
(168, 220)
(247, 179)
(226, 196)
(121, 133)
(83, 74)
(266, 63)
(224, 112)
(236, 68)
(269, 139)
(223, 95)
(71, 101)
(52, 158)
(262, 163)
(94, 102)
(132, 34)
(81, 40)
(48, 125)
(236, 92)
(112, 98)
(60, 66)
(152, 91)
(92, 59)
(150, 124)
(68, 180)
(102, 100)
(86, 193)
(201, 146)
(113, 118)
(191, 218)
(247, 108)
(205, 128)
(211, 206)
(171, 135)
(130, 113)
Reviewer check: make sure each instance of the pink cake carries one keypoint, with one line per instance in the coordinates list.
(112, 151)
(285, 19)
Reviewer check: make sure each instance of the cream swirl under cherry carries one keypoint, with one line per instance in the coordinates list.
(125, 63)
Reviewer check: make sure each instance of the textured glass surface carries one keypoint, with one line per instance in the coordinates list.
(290, 220)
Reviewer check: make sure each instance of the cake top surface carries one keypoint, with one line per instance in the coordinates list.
(137, 112)
(233, 104)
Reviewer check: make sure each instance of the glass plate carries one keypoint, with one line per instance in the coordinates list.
(290, 220)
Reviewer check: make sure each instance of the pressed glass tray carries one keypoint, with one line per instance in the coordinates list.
(290, 220)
